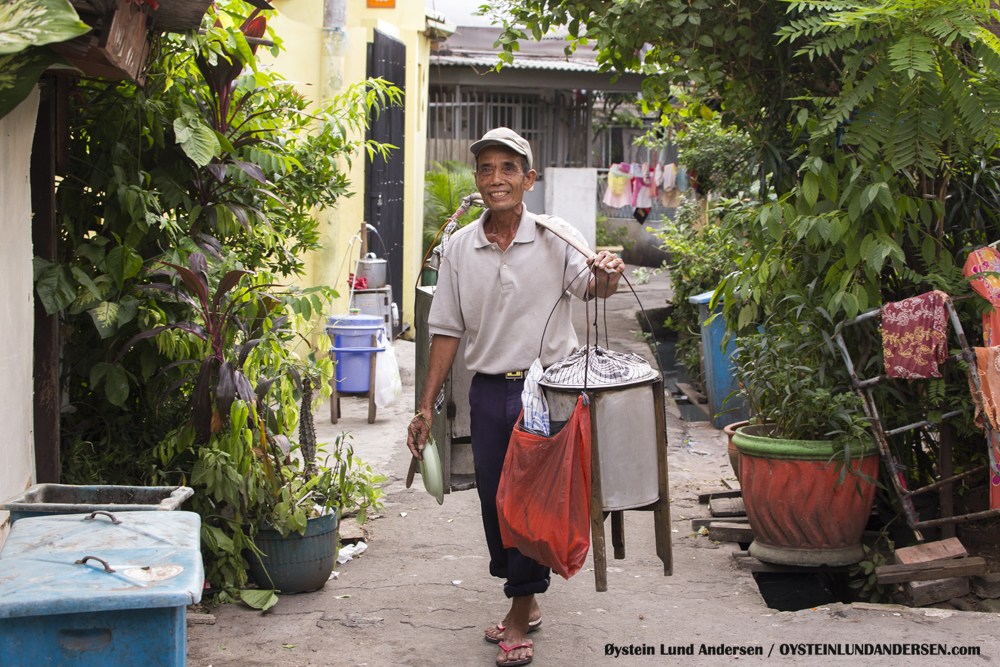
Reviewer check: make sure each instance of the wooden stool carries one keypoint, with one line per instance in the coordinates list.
(335, 397)
(659, 507)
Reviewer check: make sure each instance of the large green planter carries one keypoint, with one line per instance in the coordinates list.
(297, 563)
(798, 513)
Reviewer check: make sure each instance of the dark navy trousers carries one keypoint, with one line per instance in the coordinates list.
(495, 404)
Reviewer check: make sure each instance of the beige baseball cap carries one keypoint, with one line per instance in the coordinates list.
(504, 136)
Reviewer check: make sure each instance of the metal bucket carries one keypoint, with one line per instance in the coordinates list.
(626, 439)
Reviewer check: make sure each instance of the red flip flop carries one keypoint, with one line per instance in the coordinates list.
(532, 626)
(508, 649)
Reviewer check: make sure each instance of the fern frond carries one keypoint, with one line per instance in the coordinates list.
(912, 54)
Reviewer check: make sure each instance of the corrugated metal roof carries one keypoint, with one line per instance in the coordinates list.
(484, 60)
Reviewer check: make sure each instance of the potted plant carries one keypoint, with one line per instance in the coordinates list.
(296, 545)
(808, 464)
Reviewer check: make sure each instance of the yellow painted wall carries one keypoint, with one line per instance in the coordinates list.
(300, 24)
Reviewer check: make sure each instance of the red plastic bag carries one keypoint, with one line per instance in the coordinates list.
(544, 495)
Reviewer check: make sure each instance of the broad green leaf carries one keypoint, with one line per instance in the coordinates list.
(85, 280)
(810, 188)
(105, 317)
(98, 372)
(85, 301)
(27, 23)
(56, 289)
(116, 385)
(38, 267)
(19, 72)
(258, 598)
(127, 309)
(854, 208)
(748, 314)
(217, 540)
(197, 140)
(123, 263)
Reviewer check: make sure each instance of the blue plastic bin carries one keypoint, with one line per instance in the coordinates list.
(49, 499)
(720, 376)
(92, 592)
(352, 343)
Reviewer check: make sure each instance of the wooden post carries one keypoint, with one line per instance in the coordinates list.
(597, 505)
(371, 381)
(661, 516)
(44, 239)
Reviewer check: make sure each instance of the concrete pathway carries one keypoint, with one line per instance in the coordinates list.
(422, 594)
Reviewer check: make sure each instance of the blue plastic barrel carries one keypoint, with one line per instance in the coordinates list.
(719, 368)
(352, 342)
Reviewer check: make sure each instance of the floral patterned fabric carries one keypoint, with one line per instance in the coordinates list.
(988, 365)
(982, 261)
(914, 336)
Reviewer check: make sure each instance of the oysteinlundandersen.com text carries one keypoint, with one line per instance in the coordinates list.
(797, 649)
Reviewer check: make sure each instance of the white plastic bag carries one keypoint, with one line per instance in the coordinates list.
(388, 385)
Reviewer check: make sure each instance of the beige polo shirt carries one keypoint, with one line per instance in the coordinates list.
(502, 298)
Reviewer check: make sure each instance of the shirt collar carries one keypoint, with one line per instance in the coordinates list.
(525, 229)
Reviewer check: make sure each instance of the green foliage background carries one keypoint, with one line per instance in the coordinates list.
(210, 158)
(873, 131)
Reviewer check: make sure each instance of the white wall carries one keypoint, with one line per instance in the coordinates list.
(571, 194)
(17, 458)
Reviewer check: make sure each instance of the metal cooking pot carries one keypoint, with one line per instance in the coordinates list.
(373, 269)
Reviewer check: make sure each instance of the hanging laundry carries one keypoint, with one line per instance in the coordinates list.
(670, 198)
(669, 181)
(641, 214)
(982, 261)
(914, 336)
(641, 181)
(988, 365)
(682, 179)
(619, 192)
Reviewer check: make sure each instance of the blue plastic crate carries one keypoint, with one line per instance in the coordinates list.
(87, 591)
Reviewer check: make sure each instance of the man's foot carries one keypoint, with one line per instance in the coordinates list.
(514, 654)
(495, 633)
(516, 648)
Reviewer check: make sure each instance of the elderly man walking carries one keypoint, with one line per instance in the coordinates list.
(499, 280)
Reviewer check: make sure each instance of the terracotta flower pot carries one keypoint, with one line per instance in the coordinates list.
(799, 515)
(734, 454)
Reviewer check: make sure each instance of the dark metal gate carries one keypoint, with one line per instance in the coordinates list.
(384, 178)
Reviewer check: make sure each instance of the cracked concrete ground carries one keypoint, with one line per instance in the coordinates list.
(422, 595)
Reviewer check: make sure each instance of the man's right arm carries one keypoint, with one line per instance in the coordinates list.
(443, 351)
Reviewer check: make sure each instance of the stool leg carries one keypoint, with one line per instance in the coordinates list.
(661, 516)
(334, 401)
(371, 382)
(597, 509)
(618, 533)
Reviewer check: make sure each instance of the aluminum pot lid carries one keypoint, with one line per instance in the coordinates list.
(602, 368)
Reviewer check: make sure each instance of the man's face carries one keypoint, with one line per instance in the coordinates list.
(500, 178)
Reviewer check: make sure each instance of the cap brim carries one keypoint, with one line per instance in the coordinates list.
(483, 143)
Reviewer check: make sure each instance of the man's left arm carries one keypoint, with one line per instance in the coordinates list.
(608, 269)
